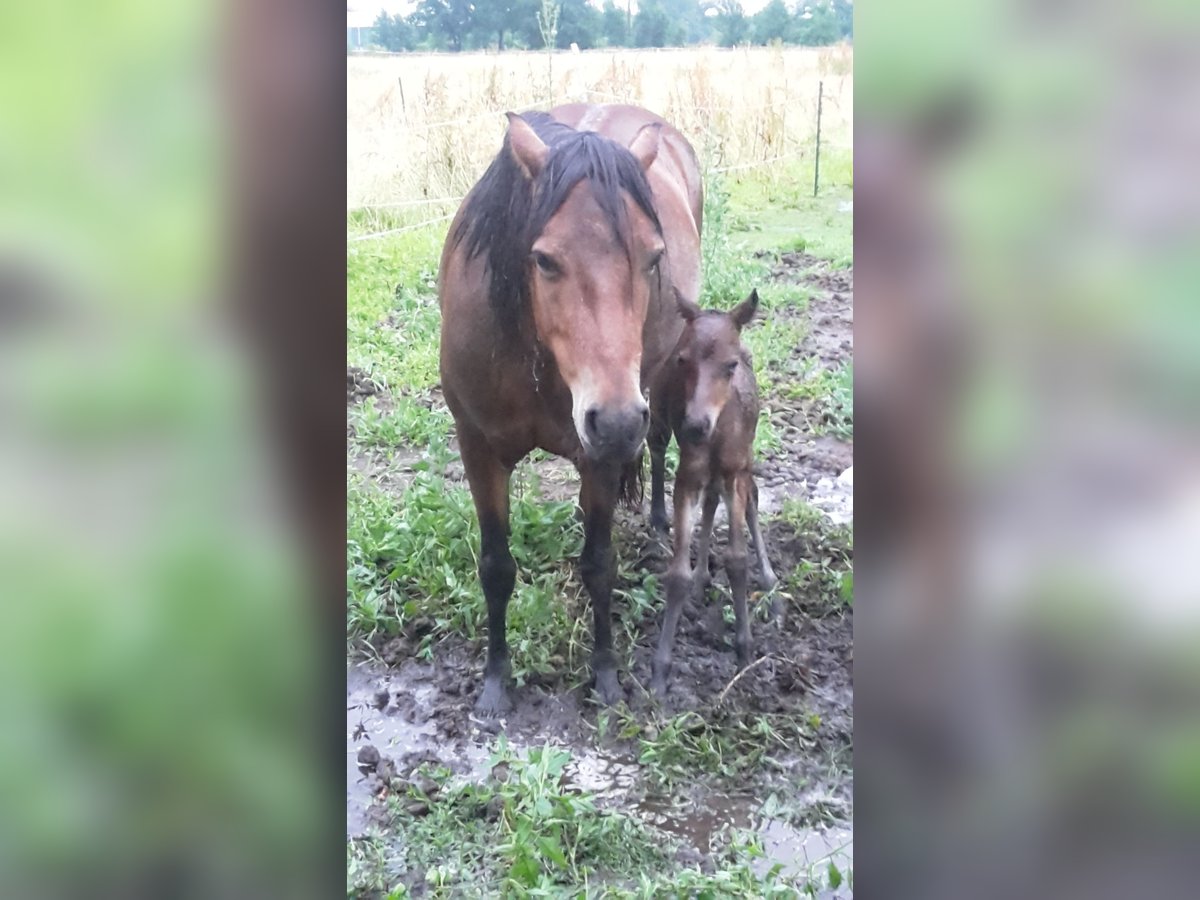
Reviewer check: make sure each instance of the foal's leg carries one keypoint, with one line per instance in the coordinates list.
(768, 574)
(657, 440)
(488, 479)
(737, 490)
(711, 496)
(597, 498)
(678, 581)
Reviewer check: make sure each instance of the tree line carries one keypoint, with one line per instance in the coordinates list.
(502, 24)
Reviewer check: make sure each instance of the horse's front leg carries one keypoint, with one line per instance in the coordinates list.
(489, 480)
(598, 497)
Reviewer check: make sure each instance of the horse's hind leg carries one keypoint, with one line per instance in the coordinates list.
(737, 490)
(760, 548)
(597, 498)
(678, 583)
(489, 479)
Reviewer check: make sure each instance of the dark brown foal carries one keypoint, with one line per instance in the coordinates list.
(707, 395)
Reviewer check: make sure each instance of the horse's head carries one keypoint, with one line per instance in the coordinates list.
(595, 247)
(708, 355)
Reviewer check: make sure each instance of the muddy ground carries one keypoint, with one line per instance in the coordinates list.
(403, 711)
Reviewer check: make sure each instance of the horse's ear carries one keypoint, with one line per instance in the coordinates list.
(744, 311)
(687, 308)
(528, 149)
(645, 144)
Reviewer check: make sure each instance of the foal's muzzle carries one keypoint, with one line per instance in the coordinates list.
(696, 431)
(616, 433)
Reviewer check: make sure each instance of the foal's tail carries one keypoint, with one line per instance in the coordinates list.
(632, 486)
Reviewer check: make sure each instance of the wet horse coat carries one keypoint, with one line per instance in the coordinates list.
(708, 397)
(557, 290)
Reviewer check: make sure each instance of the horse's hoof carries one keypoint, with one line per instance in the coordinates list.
(743, 652)
(608, 689)
(493, 702)
(661, 524)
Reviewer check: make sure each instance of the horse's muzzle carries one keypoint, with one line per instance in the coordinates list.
(615, 433)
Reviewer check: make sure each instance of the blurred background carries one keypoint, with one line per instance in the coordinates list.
(160, 695)
(1027, 337)
(171, 321)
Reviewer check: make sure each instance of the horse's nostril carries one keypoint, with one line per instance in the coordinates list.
(589, 422)
(645, 416)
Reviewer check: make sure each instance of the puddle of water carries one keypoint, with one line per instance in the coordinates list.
(802, 851)
(388, 731)
(606, 778)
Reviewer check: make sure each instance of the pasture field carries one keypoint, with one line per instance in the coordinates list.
(734, 786)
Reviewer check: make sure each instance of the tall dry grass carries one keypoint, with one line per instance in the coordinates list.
(421, 128)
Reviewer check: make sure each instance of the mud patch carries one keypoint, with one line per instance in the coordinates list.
(359, 386)
(411, 711)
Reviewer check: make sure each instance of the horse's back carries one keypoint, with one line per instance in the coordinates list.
(622, 122)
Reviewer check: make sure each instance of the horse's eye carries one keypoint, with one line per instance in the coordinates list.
(547, 265)
(681, 359)
(730, 368)
(654, 262)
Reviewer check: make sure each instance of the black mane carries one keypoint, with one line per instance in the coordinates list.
(505, 212)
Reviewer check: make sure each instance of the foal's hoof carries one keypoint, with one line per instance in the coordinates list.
(493, 702)
(768, 580)
(658, 679)
(608, 689)
(659, 521)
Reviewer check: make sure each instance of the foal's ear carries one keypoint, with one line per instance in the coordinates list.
(687, 308)
(645, 144)
(744, 311)
(527, 148)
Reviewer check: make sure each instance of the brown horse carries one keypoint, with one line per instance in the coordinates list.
(557, 290)
(708, 397)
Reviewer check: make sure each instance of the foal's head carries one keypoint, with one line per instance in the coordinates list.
(708, 356)
(595, 248)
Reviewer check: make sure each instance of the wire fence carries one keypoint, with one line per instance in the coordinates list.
(772, 131)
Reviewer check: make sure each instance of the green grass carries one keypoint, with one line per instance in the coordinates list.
(393, 320)
(831, 396)
(823, 581)
(403, 422)
(776, 210)
(526, 831)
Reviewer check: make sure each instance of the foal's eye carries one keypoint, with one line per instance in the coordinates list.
(545, 264)
(681, 359)
(730, 368)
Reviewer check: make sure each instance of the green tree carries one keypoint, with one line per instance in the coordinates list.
(393, 33)
(613, 25)
(449, 22)
(843, 12)
(494, 19)
(817, 25)
(685, 22)
(579, 23)
(733, 28)
(650, 25)
(772, 23)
